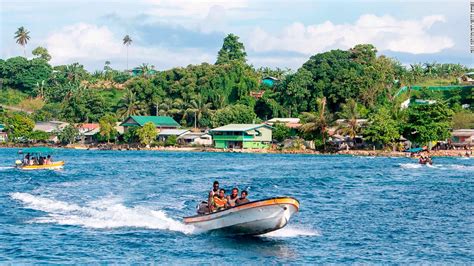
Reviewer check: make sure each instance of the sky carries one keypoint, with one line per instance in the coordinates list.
(278, 33)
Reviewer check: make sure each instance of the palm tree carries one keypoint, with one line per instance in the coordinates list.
(127, 41)
(145, 68)
(350, 114)
(39, 89)
(22, 37)
(317, 123)
(74, 72)
(129, 105)
(429, 68)
(197, 107)
(416, 71)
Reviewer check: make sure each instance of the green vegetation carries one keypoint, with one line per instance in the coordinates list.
(338, 84)
(428, 122)
(281, 132)
(147, 133)
(19, 127)
(68, 134)
(382, 128)
(107, 127)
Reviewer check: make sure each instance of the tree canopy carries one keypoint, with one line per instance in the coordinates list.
(231, 50)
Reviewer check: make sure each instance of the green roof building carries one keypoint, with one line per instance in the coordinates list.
(242, 136)
(160, 122)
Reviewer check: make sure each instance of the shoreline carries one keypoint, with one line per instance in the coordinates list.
(368, 153)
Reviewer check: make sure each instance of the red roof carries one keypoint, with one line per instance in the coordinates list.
(89, 126)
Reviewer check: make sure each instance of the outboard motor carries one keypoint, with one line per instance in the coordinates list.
(202, 208)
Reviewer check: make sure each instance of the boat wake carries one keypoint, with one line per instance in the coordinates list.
(290, 231)
(6, 168)
(410, 165)
(101, 214)
(437, 166)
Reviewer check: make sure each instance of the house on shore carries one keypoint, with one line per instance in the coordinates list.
(88, 131)
(195, 138)
(462, 137)
(160, 122)
(242, 136)
(164, 134)
(289, 122)
(3, 134)
(51, 127)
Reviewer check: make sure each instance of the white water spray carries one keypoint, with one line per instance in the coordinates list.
(100, 214)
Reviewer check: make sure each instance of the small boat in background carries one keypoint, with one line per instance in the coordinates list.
(38, 158)
(253, 218)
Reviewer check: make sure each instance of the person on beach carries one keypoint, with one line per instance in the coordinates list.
(232, 198)
(219, 201)
(243, 198)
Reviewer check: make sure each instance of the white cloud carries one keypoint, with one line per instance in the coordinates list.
(92, 45)
(80, 41)
(385, 32)
(191, 9)
(201, 15)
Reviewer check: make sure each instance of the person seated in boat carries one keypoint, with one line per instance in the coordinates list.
(422, 160)
(41, 160)
(232, 198)
(26, 160)
(48, 160)
(214, 191)
(219, 201)
(243, 198)
(428, 160)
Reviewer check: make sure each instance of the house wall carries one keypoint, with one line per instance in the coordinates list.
(226, 144)
(220, 144)
(246, 141)
(3, 137)
(265, 134)
(255, 145)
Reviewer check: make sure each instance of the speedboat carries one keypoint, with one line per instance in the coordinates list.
(38, 152)
(252, 218)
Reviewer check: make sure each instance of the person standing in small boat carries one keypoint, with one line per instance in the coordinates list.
(243, 198)
(233, 197)
(214, 191)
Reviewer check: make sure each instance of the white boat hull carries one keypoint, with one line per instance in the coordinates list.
(253, 218)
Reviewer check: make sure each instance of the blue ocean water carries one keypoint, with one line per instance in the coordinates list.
(110, 206)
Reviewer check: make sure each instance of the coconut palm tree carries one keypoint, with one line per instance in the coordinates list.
(350, 114)
(22, 37)
(145, 69)
(129, 105)
(127, 41)
(317, 123)
(198, 108)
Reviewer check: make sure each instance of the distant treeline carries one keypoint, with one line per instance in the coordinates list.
(229, 91)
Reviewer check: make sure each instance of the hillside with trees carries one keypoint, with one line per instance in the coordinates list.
(337, 84)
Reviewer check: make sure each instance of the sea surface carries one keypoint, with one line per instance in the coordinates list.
(127, 207)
